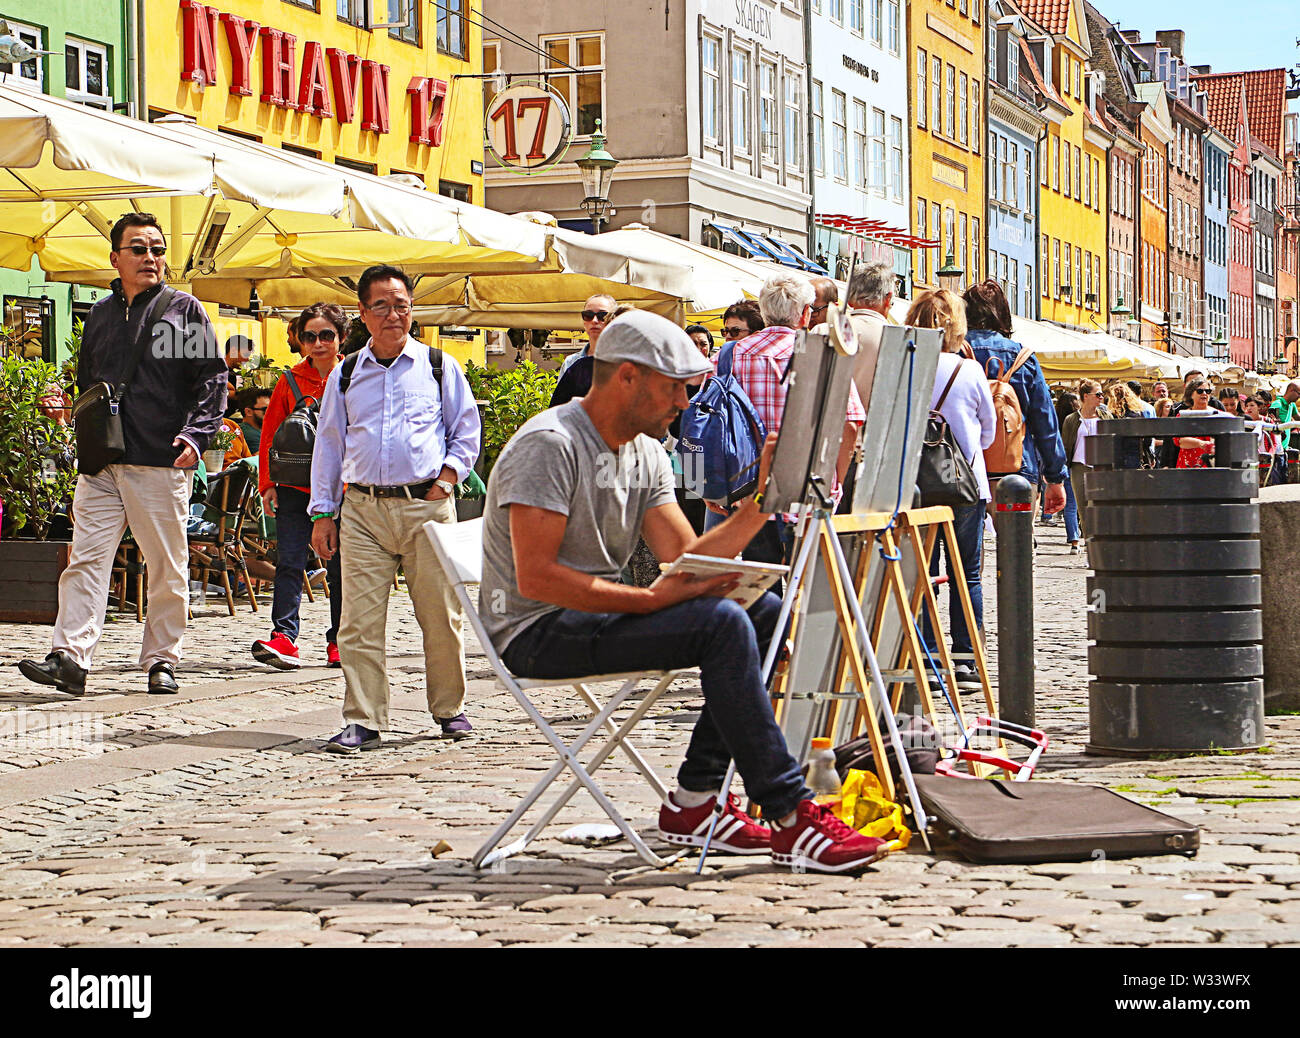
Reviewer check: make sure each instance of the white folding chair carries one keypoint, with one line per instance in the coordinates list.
(459, 547)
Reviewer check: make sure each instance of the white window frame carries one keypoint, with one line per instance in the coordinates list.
(572, 77)
(894, 28)
(34, 36)
(861, 169)
(768, 102)
(857, 17)
(86, 47)
(876, 22)
(735, 88)
(878, 166)
(792, 120)
(897, 166)
(718, 113)
(839, 136)
(817, 108)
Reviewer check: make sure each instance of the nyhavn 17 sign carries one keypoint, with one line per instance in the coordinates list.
(527, 127)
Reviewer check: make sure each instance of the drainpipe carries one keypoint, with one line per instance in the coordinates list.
(138, 54)
(808, 151)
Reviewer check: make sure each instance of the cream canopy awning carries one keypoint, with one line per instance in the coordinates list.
(298, 229)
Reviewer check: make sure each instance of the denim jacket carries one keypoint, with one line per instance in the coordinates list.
(1044, 451)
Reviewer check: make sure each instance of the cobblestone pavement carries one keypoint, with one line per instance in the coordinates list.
(214, 818)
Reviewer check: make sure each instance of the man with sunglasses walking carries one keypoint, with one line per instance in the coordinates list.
(400, 436)
(156, 348)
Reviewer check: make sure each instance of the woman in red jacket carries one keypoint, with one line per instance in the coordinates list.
(319, 331)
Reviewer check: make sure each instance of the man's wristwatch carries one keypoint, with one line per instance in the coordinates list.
(447, 488)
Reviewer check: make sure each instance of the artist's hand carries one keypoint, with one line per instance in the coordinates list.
(682, 587)
(1054, 499)
(325, 538)
(188, 456)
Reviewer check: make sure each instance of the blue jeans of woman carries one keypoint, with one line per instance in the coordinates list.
(293, 535)
(725, 642)
(1071, 512)
(968, 523)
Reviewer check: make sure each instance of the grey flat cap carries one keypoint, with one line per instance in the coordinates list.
(645, 338)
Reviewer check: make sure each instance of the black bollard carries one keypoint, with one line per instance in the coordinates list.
(1013, 521)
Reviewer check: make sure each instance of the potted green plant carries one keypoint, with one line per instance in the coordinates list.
(37, 478)
(261, 371)
(214, 458)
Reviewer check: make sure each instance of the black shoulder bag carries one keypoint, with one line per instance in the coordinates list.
(945, 476)
(97, 413)
(289, 456)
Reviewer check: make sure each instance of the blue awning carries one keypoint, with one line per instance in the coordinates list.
(792, 257)
(746, 241)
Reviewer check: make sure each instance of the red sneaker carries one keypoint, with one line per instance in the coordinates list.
(278, 651)
(736, 832)
(820, 842)
(332, 655)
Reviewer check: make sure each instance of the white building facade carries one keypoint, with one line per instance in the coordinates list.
(859, 134)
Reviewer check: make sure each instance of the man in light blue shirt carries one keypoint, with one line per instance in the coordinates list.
(400, 439)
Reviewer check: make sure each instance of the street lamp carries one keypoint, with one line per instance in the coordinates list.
(597, 169)
(950, 274)
(1119, 316)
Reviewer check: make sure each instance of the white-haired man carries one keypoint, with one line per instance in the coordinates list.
(870, 292)
(759, 362)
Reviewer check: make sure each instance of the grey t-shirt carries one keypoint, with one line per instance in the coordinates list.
(559, 462)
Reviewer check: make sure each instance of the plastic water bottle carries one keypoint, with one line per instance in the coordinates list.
(823, 779)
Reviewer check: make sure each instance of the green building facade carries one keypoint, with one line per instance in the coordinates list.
(89, 65)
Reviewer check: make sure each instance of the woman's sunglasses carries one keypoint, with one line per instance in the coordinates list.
(309, 338)
(595, 315)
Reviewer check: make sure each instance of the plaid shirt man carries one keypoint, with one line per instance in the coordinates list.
(759, 361)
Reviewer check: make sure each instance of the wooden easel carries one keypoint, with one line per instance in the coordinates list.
(917, 531)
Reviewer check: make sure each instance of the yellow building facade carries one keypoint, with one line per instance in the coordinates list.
(946, 70)
(309, 77)
(1072, 182)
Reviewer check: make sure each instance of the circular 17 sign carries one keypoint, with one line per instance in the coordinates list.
(527, 127)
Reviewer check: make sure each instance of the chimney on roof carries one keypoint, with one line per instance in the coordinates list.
(1173, 40)
(1201, 70)
(1131, 35)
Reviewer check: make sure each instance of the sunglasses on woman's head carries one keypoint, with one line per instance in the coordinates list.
(309, 338)
(140, 250)
(595, 315)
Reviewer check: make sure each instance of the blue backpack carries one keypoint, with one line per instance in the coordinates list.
(721, 438)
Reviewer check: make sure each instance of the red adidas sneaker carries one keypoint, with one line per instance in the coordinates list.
(277, 651)
(820, 842)
(736, 832)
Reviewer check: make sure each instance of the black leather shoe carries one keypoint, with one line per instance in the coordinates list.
(57, 670)
(162, 680)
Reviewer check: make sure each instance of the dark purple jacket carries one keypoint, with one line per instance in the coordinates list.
(180, 384)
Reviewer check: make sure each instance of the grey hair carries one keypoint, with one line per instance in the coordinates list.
(783, 298)
(872, 284)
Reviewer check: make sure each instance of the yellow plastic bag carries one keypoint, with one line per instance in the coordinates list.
(864, 806)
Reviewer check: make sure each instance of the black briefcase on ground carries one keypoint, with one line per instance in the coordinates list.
(97, 417)
(999, 822)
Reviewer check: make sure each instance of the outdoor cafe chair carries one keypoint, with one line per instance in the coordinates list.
(218, 547)
(459, 547)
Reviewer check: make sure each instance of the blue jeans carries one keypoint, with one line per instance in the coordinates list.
(714, 634)
(1071, 511)
(293, 533)
(968, 523)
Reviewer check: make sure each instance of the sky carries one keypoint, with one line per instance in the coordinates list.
(1257, 34)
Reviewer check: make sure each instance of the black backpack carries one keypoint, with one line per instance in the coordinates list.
(291, 448)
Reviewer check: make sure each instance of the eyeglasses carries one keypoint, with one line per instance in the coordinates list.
(259, 410)
(1205, 391)
(379, 310)
(140, 250)
(595, 315)
(329, 334)
(730, 331)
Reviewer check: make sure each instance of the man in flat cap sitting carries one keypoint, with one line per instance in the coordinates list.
(569, 497)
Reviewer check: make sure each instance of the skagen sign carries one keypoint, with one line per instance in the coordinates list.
(754, 17)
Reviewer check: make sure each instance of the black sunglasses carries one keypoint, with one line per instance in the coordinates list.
(309, 338)
(734, 333)
(595, 315)
(140, 250)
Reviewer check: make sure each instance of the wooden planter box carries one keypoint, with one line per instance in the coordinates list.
(29, 580)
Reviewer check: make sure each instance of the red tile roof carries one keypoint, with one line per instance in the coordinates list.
(1265, 102)
(1052, 15)
(1027, 60)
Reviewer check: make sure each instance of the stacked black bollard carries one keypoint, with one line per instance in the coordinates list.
(1174, 599)
(1013, 521)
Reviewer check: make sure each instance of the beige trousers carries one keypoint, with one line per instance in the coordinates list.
(380, 534)
(154, 502)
